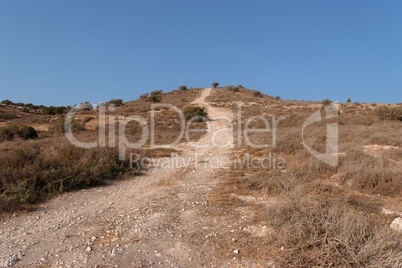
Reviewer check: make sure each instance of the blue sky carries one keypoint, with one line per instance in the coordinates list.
(64, 52)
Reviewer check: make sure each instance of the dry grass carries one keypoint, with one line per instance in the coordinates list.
(318, 215)
(33, 171)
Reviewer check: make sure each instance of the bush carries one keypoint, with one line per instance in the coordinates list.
(326, 102)
(198, 113)
(215, 84)
(183, 87)
(27, 132)
(31, 173)
(233, 88)
(257, 94)
(7, 116)
(86, 106)
(349, 100)
(53, 110)
(116, 102)
(156, 96)
(24, 132)
(8, 133)
(144, 96)
(277, 98)
(6, 102)
(389, 113)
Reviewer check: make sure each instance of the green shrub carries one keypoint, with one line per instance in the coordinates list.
(33, 172)
(6, 102)
(144, 96)
(116, 102)
(389, 113)
(326, 102)
(156, 96)
(7, 133)
(349, 100)
(215, 84)
(233, 88)
(53, 110)
(24, 132)
(27, 132)
(183, 87)
(198, 113)
(257, 94)
(7, 116)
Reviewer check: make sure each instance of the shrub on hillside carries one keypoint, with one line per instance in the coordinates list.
(183, 87)
(389, 113)
(53, 110)
(196, 113)
(7, 116)
(116, 102)
(8, 133)
(257, 94)
(144, 96)
(31, 173)
(233, 88)
(215, 84)
(156, 96)
(326, 102)
(6, 102)
(27, 132)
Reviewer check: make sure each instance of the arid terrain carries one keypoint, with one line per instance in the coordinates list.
(216, 198)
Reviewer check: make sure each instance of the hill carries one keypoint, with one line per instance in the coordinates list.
(253, 180)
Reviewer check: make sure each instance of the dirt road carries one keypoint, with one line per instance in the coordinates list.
(160, 219)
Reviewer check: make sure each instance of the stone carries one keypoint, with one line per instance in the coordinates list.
(396, 225)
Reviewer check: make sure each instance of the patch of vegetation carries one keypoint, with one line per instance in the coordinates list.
(389, 113)
(183, 87)
(8, 133)
(257, 94)
(233, 88)
(30, 174)
(6, 102)
(7, 116)
(196, 113)
(144, 96)
(53, 110)
(326, 102)
(215, 84)
(27, 132)
(86, 106)
(156, 96)
(115, 102)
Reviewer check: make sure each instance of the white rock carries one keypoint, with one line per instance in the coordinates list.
(236, 251)
(89, 249)
(397, 225)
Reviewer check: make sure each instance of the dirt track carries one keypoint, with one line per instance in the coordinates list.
(160, 219)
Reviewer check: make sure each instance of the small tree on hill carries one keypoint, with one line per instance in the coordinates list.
(27, 132)
(326, 102)
(215, 84)
(183, 87)
(195, 112)
(156, 96)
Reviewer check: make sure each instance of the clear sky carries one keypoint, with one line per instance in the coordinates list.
(56, 52)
